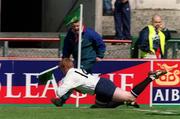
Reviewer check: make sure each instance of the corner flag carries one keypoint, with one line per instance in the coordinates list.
(46, 75)
(72, 16)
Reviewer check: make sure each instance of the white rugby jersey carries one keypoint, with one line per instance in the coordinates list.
(78, 79)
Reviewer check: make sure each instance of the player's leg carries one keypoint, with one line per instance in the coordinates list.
(104, 93)
(124, 96)
(121, 95)
(151, 76)
(100, 103)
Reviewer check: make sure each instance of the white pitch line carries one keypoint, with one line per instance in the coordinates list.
(156, 111)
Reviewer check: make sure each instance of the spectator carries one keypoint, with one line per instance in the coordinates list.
(152, 39)
(107, 8)
(122, 19)
(93, 47)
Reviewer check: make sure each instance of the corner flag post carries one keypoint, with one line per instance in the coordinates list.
(80, 36)
(79, 47)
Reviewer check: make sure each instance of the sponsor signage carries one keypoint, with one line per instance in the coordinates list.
(19, 81)
(166, 90)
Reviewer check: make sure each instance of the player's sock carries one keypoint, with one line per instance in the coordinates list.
(151, 76)
(140, 87)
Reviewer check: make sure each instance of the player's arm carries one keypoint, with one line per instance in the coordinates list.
(66, 87)
(63, 92)
(61, 101)
(69, 83)
(64, 98)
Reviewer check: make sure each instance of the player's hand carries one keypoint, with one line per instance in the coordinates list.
(57, 102)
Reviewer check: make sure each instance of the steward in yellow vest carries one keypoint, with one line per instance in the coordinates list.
(152, 39)
(156, 41)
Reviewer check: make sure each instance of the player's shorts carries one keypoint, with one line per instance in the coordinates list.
(104, 90)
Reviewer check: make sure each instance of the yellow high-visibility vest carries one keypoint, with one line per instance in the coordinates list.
(152, 34)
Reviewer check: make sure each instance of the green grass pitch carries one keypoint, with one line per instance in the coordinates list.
(84, 112)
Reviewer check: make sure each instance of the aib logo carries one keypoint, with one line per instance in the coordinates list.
(172, 76)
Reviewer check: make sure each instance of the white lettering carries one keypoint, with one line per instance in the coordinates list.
(175, 95)
(111, 77)
(158, 95)
(166, 94)
(123, 81)
(48, 87)
(9, 86)
(29, 85)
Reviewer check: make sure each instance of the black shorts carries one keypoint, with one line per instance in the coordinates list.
(104, 90)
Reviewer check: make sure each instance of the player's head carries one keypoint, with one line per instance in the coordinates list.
(66, 64)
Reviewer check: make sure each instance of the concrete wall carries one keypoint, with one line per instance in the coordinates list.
(143, 10)
(140, 18)
(155, 4)
(54, 12)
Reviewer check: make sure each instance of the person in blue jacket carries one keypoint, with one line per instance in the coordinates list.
(92, 46)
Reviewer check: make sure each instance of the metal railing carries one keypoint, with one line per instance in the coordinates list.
(122, 49)
(173, 48)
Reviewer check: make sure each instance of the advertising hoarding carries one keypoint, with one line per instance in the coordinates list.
(19, 82)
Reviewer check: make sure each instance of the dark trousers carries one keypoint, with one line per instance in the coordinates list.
(122, 19)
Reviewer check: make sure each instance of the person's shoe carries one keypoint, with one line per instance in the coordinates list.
(133, 104)
(56, 102)
(156, 74)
